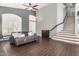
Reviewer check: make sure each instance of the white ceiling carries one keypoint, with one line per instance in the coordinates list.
(19, 5)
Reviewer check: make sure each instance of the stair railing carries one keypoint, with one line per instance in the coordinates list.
(59, 23)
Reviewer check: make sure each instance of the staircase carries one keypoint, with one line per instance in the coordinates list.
(69, 24)
(68, 33)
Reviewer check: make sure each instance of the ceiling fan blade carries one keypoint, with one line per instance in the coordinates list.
(35, 5)
(35, 8)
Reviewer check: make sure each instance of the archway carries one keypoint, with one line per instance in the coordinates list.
(11, 23)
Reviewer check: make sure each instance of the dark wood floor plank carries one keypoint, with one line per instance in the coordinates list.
(45, 47)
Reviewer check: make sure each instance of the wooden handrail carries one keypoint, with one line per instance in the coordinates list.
(58, 24)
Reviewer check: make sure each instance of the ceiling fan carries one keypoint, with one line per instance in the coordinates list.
(30, 7)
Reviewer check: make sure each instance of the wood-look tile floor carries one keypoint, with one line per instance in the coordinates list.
(45, 47)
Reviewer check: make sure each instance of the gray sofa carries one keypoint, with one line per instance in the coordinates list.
(22, 40)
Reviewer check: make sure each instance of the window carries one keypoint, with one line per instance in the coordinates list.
(32, 23)
(11, 23)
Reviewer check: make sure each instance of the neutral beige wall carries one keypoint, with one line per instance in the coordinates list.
(60, 16)
(47, 18)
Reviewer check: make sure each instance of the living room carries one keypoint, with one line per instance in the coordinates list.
(19, 21)
(38, 29)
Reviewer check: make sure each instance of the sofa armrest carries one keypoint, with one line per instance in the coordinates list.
(12, 39)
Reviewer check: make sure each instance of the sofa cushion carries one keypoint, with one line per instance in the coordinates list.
(30, 33)
(18, 35)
